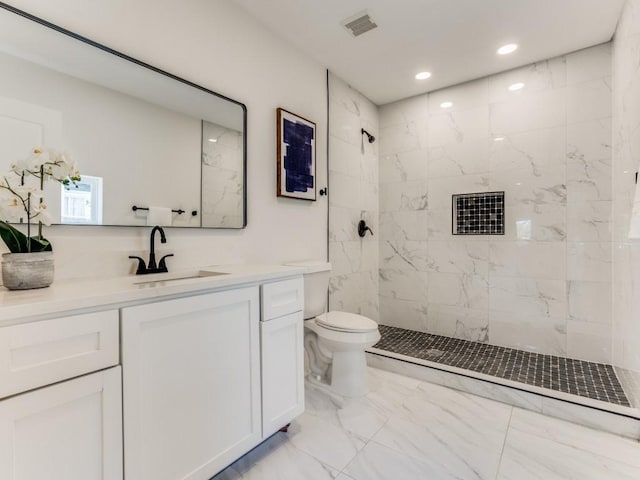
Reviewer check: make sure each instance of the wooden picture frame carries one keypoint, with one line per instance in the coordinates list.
(296, 156)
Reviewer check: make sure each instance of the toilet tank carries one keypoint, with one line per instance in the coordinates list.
(316, 286)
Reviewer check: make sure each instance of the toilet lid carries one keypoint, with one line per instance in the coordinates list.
(346, 322)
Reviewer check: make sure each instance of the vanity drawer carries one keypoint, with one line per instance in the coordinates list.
(282, 298)
(36, 354)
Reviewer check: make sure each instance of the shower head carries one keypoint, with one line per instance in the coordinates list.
(369, 136)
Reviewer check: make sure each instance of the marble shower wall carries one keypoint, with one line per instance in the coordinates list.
(546, 284)
(626, 159)
(353, 195)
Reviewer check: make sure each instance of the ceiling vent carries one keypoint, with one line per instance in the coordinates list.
(359, 24)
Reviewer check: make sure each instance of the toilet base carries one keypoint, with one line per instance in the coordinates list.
(349, 373)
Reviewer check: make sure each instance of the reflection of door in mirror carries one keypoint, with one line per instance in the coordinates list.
(222, 177)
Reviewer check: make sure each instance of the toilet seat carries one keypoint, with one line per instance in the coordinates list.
(346, 322)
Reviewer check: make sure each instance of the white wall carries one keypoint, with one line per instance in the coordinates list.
(626, 161)
(549, 293)
(219, 46)
(353, 195)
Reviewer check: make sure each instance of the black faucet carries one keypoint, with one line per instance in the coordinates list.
(153, 268)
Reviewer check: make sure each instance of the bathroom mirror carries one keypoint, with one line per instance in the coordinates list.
(141, 137)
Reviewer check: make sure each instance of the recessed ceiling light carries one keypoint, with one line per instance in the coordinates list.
(213, 140)
(507, 49)
(446, 105)
(516, 86)
(498, 139)
(423, 75)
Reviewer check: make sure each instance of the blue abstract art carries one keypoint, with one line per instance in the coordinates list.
(296, 156)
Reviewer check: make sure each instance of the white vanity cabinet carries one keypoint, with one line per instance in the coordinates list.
(282, 353)
(191, 379)
(72, 429)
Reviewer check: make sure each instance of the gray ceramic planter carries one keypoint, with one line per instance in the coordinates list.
(24, 271)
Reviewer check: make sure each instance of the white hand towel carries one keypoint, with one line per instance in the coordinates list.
(159, 216)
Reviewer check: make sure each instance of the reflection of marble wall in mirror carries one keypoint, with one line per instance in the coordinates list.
(136, 129)
(222, 176)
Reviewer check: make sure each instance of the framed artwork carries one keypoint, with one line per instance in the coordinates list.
(296, 150)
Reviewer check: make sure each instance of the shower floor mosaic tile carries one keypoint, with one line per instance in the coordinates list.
(586, 379)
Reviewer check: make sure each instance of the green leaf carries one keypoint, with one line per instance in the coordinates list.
(15, 240)
(40, 245)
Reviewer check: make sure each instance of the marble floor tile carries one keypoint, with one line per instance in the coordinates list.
(530, 457)
(407, 429)
(377, 462)
(277, 459)
(614, 447)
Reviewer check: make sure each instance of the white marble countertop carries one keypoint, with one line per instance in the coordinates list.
(20, 306)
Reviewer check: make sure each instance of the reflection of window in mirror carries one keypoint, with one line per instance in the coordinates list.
(81, 203)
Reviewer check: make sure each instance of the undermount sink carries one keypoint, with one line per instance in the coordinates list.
(175, 277)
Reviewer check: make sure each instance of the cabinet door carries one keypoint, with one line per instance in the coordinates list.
(282, 371)
(68, 431)
(191, 384)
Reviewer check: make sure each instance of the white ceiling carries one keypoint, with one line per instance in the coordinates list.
(456, 40)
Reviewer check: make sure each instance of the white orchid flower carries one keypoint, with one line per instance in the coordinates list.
(41, 213)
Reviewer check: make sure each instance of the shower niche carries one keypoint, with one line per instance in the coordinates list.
(478, 213)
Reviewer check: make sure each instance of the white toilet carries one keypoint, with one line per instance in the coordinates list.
(334, 342)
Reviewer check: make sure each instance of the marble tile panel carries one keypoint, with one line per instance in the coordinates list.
(404, 137)
(465, 158)
(439, 225)
(590, 301)
(277, 459)
(541, 223)
(370, 306)
(589, 180)
(528, 296)
(589, 341)
(528, 150)
(402, 284)
(589, 100)
(547, 186)
(589, 261)
(345, 257)
(544, 110)
(345, 123)
(344, 157)
(589, 141)
(403, 166)
(403, 196)
(630, 381)
(403, 225)
(545, 260)
(408, 314)
(589, 221)
(593, 418)
(345, 293)
(528, 457)
(530, 332)
(465, 96)
(458, 256)
(404, 255)
(343, 224)
(538, 77)
(345, 190)
(403, 111)
(459, 290)
(589, 64)
(344, 476)
(458, 127)
(458, 322)
(369, 197)
(440, 190)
